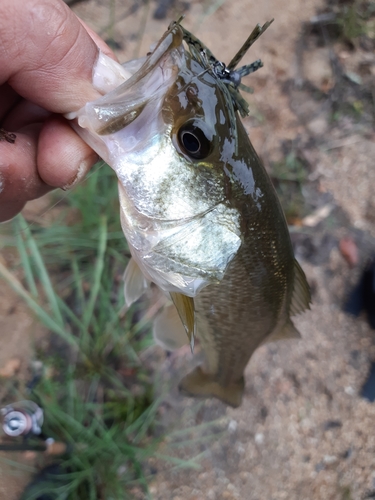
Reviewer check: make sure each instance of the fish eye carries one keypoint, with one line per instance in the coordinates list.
(194, 141)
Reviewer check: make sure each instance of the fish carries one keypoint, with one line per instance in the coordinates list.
(198, 210)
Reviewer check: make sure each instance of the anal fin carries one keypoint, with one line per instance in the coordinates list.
(301, 299)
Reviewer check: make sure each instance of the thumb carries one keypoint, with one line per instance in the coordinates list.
(46, 54)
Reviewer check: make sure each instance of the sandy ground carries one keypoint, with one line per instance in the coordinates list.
(303, 431)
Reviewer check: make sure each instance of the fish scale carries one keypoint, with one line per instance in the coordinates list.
(245, 313)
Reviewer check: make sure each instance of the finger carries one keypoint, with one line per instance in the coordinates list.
(63, 158)
(98, 41)
(10, 210)
(24, 113)
(19, 178)
(47, 55)
(8, 98)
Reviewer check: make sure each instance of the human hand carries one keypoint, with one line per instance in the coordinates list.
(47, 57)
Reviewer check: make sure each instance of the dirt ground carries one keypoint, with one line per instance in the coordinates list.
(303, 431)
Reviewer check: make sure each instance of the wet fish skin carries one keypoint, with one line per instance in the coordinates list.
(254, 301)
(208, 226)
(254, 298)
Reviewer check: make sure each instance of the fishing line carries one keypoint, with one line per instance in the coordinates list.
(190, 81)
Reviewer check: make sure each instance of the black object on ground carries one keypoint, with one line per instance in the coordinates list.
(48, 479)
(368, 389)
(162, 8)
(362, 297)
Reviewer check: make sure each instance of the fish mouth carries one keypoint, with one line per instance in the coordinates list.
(109, 115)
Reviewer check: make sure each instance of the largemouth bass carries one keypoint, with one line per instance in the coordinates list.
(199, 212)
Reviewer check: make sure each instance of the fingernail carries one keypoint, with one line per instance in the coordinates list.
(108, 74)
(83, 168)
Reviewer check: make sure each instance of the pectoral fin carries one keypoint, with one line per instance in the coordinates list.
(135, 284)
(199, 384)
(185, 309)
(168, 331)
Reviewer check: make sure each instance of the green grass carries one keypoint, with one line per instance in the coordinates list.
(356, 19)
(92, 367)
(288, 177)
(96, 395)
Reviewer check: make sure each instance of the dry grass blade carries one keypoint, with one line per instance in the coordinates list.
(46, 319)
(253, 37)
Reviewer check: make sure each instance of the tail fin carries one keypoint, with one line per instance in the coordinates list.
(199, 384)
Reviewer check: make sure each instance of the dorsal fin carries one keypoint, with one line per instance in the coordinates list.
(135, 284)
(185, 309)
(301, 297)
